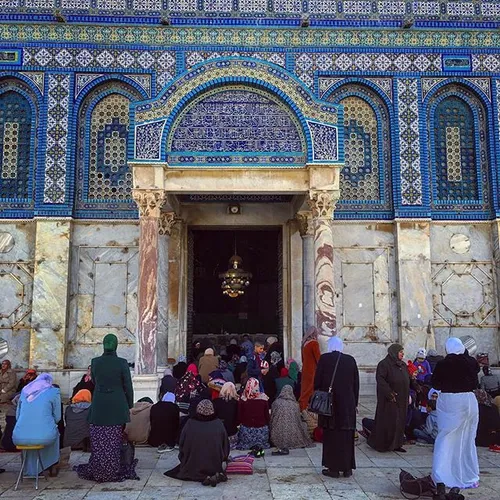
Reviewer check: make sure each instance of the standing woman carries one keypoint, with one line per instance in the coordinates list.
(113, 397)
(310, 358)
(455, 462)
(38, 413)
(338, 432)
(393, 392)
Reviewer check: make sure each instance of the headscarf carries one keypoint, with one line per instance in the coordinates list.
(29, 375)
(432, 352)
(187, 386)
(483, 398)
(228, 392)
(243, 359)
(393, 351)
(293, 371)
(82, 396)
(145, 400)
(310, 334)
(209, 352)
(335, 344)
(38, 386)
(167, 372)
(233, 342)
(454, 346)
(192, 369)
(289, 361)
(287, 393)
(252, 391)
(181, 359)
(421, 353)
(88, 375)
(411, 368)
(205, 408)
(169, 397)
(284, 372)
(110, 343)
(432, 392)
(275, 358)
(9, 364)
(271, 340)
(223, 365)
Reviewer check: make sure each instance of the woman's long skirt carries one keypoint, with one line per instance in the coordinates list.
(338, 450)
(104, 463)
(248, 437)
(455, 460)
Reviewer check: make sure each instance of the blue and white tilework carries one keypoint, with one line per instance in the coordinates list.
(56, 138)
(409, 141)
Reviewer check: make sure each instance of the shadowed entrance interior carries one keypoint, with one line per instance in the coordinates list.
(259, 310)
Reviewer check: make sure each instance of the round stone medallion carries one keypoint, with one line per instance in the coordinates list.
(460, 243)
(6, 242)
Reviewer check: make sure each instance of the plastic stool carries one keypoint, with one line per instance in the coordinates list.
(25, 450)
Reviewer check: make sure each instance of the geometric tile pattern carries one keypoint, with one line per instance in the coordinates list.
(56, 138)
(306, 64)
(409, 141)
(195, 57)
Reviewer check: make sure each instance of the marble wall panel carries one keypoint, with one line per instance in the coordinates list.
(103, 290)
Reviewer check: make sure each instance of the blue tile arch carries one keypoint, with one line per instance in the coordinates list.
(23, 206)
(482, 207)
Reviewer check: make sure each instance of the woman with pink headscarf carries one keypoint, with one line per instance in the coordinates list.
(38, 412)
(310, 359)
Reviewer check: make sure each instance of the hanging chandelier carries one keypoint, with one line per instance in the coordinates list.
(235, 279)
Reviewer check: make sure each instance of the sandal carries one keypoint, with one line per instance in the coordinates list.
(281, 451)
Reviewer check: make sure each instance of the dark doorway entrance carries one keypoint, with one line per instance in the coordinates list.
(256, 312)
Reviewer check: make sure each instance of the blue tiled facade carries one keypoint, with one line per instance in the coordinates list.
(421, 106)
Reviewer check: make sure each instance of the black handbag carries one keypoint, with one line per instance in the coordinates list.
(322, 401)
(127, 453)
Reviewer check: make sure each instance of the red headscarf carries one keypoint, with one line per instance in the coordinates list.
(284, 372)
(412, 368)
(252, 391)
(192, 369)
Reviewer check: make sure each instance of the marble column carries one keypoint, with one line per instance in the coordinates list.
(50, 294)
(167, 221)
(306, 229)
(413, 242)
(149, 202)
(322, 203)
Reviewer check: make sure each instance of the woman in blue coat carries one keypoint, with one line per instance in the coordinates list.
(38, 412)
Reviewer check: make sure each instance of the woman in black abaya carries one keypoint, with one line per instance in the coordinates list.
(338, 432)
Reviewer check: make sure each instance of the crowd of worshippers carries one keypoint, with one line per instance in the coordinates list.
(248, 397)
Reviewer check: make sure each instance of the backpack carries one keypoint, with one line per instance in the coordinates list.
(417, 487)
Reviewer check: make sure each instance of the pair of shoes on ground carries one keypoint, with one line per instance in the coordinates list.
(163, 448)
(281, 451)
(214, 480)
(257, 451)
(335, 473)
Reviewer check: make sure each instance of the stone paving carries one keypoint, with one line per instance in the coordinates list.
(297, 476)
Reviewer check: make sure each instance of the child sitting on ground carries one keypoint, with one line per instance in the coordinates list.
(429, 431)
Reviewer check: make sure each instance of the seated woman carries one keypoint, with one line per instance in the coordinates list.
(253, 415)
(226, 408)
(10, 423)
(188, 388)
(137, 430)
(239, 370)
(38, 413)
(283, 380)
(287, 429)
(295, 375)
(86, 382)
(488, 429)
(77, 432)
(164, 424)
(168, 383)
(203, 447)
(179, 370)
(29, 376)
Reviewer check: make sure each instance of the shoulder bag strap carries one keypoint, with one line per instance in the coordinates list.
(335, 372)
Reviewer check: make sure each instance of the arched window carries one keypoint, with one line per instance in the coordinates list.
(17, 143)
(104, 180)
(365, 179)
(459, 150)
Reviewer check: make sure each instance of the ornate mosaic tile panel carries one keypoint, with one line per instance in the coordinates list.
(104, 180)
(306, 64)
(409, 141)
(56, 138)
(324, 141)
(195, 57)
(365, 179)
(236, 126)
(459, 149)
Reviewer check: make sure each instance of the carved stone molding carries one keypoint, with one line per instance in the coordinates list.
(149, 201)
(167, 221)
(304, 220)
(322, 203)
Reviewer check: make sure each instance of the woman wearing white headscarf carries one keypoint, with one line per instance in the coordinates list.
(338, 432)
(455, 462)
